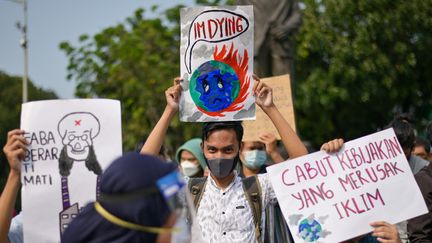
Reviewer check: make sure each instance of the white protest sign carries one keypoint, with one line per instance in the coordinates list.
(216, 53)
(333, 197)
(71, 142)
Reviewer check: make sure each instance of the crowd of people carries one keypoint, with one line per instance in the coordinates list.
(226, 195)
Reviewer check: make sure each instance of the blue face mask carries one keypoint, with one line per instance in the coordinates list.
(254, 159)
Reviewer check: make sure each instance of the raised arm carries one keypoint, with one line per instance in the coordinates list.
(156, 138)
(264, 98)
(270, 141)
(15, 151)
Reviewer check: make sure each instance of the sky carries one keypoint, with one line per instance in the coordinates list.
(53, 21)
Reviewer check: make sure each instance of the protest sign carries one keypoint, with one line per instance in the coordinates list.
(282, 98)
(216, 62)
(333, 197)
(70, 143)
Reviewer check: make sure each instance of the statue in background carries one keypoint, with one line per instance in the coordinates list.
(276, 22)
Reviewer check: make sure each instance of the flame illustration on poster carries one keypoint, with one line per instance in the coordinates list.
(217, 53)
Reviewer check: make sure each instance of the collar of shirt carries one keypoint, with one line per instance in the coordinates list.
(235, 180)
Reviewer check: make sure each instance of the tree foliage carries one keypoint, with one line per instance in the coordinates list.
(10, 108)
(134, 62)
(359, 62)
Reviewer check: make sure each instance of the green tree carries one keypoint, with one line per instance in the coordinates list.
(10, 109)
(358, 63)
(134, 62)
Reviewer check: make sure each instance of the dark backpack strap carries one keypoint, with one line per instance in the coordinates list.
(252, 190)
(196, 187)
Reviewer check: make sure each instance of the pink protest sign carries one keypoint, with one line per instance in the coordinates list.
(333, 197)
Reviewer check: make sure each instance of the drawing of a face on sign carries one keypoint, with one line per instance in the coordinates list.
(77, 130)
(220, 85)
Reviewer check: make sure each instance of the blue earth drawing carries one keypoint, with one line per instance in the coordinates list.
(214, 86)
(310, 230)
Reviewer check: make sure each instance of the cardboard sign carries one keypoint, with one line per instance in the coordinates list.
(216, 58)
(333, 197)
(71, 143)
(282, 98)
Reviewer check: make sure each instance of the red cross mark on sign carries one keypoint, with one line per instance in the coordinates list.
(77, 122)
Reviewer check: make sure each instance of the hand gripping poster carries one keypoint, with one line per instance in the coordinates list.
(71, 142)
(216, 56)
(333, 197)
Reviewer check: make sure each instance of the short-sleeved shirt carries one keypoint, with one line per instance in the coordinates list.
(224, 215)
(16, 230)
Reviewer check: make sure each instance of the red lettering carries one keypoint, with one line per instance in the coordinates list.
(380, 151)
(345, 182)
(361, 178)
(373, 152)
(299, 197)
(395, 145)
(284, 177)
(376, 197)
(220, 22)
(342, 161)
(327, 158)
(395, 168)
(200, 27)
(211, 23)
(357, 158)
(309, 170)
(300, 173)
(239, 25)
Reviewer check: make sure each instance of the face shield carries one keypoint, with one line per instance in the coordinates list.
(174, 191)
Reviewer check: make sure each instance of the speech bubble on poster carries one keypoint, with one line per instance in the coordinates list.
(214, 26)
(333, 197)
(216, 53)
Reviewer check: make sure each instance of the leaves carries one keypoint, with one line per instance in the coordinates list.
(135, 63)
(10, 108)
(358, 63)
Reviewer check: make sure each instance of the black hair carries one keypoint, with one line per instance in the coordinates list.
(404, 131)
(66, 163)
(423, 143)
(92, 163)
(210, 127)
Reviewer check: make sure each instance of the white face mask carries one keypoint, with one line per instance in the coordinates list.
(189, 168)
(254, 159)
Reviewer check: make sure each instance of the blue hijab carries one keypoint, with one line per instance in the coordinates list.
(129, 173)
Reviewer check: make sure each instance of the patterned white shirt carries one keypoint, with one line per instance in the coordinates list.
(224, 215)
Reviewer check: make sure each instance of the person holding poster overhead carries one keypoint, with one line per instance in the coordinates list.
(11, 229)
(254, 154)
(224, 213)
